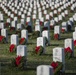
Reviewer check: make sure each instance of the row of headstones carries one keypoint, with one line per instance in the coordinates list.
(57, 19)
(46, 69)
(35, 15)
(14, 37)
(58, 56)
(14, 23)
(56, 28)
(28, 19)
(37, 28)
(66, 26)
(22, 53)
(1, 17)
(13, 15)
(24, 5)
(46, 24)
(41, 41)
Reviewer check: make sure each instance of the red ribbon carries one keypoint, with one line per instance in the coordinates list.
(12, 46)
(1, 38)
(6, 23)
(51, 26)
(37, 49)
(56, 36)
(18, 60)
(74, 42)
(12, 28)
(41, 22)
(63, 30)
(26, 23)
(68, 49)
(21, 40)
(54, 65)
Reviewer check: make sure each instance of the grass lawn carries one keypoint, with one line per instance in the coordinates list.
(33, 60)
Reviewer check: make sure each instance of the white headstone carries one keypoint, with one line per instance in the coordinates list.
(56, 29)
(22, 21)
(46, 34)
(59, 56)
(47, 17)
(13, 24)
(41, 42)
(1, 17)
(45, 12)
(64, 26)
(37, 28)
(69, 43)
(4, 33)
(75, 28)
(66, 12)
(28, 20)
(55, 11)
(21, 50)
(56, 19)
(19, 26)
(52, 23)
(23, 16)
(63, 14)
(74, 35)
(24, 34)
(51, 14)
(12, 15)
(45, 70)
(8, 20)
(60, 17)
(47, 24)
(14, 39)
(1, 25)
(34, 16)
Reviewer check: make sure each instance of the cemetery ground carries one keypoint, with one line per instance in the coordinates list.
(34, 60)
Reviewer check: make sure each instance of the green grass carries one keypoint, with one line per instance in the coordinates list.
(33, 60)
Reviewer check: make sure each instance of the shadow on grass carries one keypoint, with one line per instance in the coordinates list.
(62, 38)
(30, 43)
(70, 74)
(47, 54)
(54, 45)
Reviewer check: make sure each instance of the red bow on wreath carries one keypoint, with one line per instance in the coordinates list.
(62, 30)
(56, 36)
(37, 49)
(68, 49)
(1, 38)
(41, 22)
(18, 60)
(74, 42)
(12, 46)
(54, 65)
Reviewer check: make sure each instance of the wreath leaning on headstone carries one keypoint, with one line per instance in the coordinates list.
(38, 50)
(23, 41)
(2, 39)
(57, 66)
(19, 62)
(12, 48)
(35, 34)
(68, 53)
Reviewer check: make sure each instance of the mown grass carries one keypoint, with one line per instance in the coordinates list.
(33, 60)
